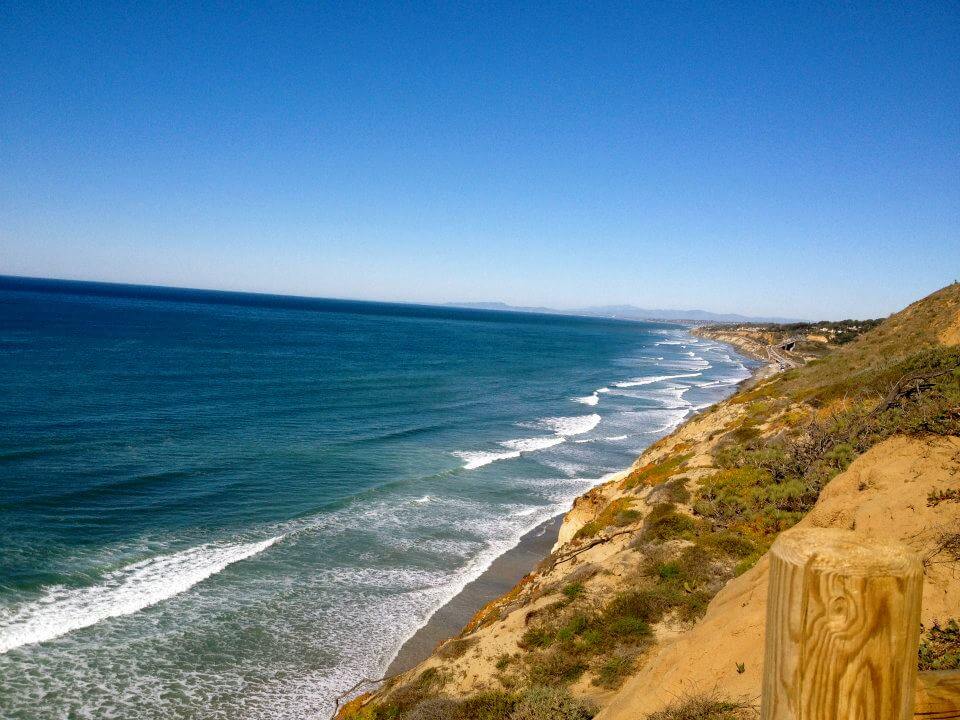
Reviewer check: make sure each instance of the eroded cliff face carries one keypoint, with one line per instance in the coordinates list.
(884, 494)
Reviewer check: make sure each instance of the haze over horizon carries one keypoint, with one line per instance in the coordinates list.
(773, 161)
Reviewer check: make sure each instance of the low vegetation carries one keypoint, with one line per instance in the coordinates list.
(534, 703)
(617, 514)
(940, 646)
(654, 473)
(705, 707)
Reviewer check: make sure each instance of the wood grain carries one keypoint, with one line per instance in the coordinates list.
(843, 625)
(938, 695)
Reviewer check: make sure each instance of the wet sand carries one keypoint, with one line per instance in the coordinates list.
(498, 579)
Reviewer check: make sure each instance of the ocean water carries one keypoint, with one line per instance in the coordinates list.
(233, 506)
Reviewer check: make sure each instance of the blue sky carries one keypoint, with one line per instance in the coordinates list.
(796, 159)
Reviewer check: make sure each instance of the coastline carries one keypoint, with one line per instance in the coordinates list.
(522, 559)
(746, 346)
(470, 654)
(504, 572)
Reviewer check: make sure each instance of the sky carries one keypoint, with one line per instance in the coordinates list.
(774, 158)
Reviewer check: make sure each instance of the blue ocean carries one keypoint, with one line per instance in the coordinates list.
(222, 505)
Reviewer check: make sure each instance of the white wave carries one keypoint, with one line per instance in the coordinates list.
(478, 458)
(717, 383)
(474, 459)
(532, 444)
(615, 438)
(123, 592)
(573, 425)
(686, 365)
(670, 398)
(588, 399)
(602, 390)
(654, 379)
(670, 342)
(424, 499)
(666, 419)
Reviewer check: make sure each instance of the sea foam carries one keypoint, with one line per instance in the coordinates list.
(474, 459)
(562, 428)
(573, 425)
(654, 379)
(532, 444)
(123, 592)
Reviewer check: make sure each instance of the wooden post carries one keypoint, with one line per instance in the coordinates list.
(843, 627)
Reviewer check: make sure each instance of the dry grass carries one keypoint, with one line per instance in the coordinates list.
(705, 707)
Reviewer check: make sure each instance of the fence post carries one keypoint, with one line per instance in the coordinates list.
(843, 626)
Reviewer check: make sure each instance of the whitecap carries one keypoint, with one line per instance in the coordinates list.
(122, 592)
(655, 379)
(474, 459)
(532, 444)
(572, 425)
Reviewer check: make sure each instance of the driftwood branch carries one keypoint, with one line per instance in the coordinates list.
(592, 544)
(909, 384)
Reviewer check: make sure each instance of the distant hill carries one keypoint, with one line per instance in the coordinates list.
(630, 312)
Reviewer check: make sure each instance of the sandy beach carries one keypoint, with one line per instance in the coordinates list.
(496, 580)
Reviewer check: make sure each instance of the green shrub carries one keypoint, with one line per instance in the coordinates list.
(728, 543)
(573, 627)
(669, 526)
(646, 604)
(612, 671)
(668, 571)
(627, 627)
(545, 703)
(557, 666)
(694, 605)
(655, 473)
(616, 514)
(488, 705)
(537, 636)
(673, 491)
(940, 646)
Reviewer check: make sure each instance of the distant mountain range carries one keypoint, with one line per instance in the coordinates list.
(630, 312)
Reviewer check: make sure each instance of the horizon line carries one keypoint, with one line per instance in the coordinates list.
(462, 305)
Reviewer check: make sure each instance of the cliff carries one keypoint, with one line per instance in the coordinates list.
(656, 587)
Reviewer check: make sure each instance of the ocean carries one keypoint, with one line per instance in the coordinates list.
(224, 505)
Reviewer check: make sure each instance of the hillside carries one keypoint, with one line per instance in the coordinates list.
(655, 589)
(626, 312)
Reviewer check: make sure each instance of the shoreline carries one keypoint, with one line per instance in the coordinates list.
(765, 369)
(504, 572)
(509, 568)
